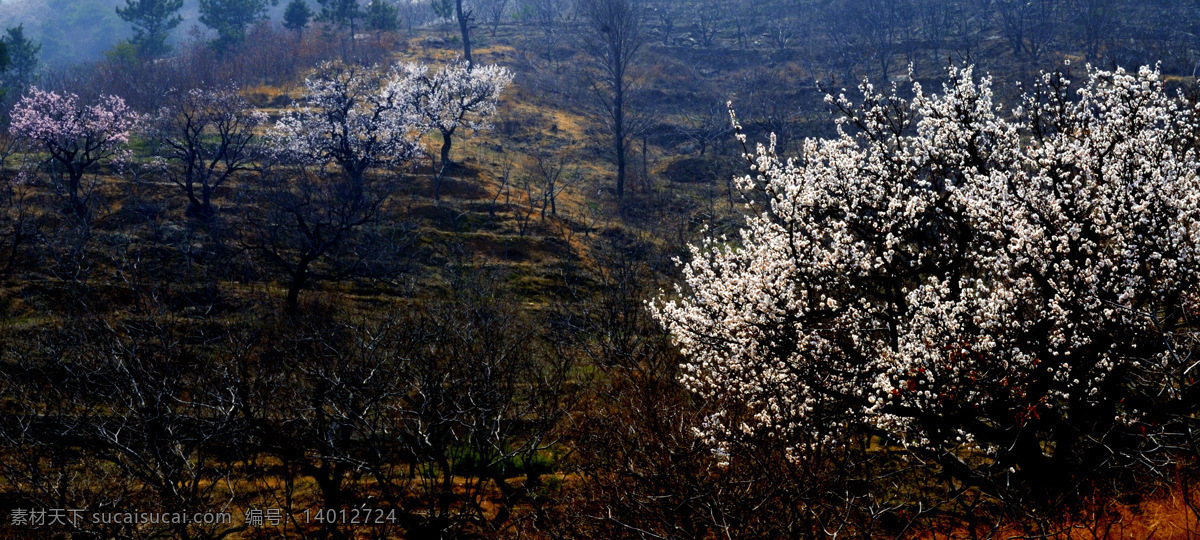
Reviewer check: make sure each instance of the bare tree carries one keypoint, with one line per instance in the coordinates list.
(310, 226)
(533, 203)
(970, 22)
(548, 16)
(17, 217)
(549, 169)
(666, 16)
(782, 31)
(505, 187)
(876, 28)
(708, 21)
(1096, 21)
(493, 13)
(613, 35)
(209, 133)
(706, 124)
(1029, 26)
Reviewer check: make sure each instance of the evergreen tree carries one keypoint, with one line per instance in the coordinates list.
(231, 18)
(297, 15)
(20, 59)
(152, 22)
(444, 9)
(382, 16)
(341, 13)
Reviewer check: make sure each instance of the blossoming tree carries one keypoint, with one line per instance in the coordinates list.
(1011, 295)
(75, 137)
(458, 96)
(351, 116)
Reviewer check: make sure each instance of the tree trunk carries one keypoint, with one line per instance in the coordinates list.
(645, 165)
(76, 206)
(464, 26)
(443, 166)
(619, 131)
(299, 279)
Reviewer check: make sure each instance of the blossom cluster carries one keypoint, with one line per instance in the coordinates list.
(70, 130)
(351, 116)
(458, 95)
(366, 117)
(953, 275)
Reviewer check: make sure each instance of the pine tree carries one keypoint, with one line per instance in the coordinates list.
(152, 22)
(382, 16)
(20, 59)
(231, 18)
(297, 16)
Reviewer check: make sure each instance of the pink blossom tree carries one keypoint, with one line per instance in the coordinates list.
(76, 137)
(1013, 296)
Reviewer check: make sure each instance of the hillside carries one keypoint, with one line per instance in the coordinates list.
(936, 310)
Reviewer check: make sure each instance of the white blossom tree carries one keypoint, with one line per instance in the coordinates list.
(1012, 295)
(312, 226)
(351, 116)
(75, 137)
(458, 96)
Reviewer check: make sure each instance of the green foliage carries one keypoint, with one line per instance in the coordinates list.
(382, 16)
(340, 13)
(20, 58)
(231, 18)
(467, 460)
(4, 64)
(443, 8)
(124, 52)
(297, 15)
(152, 22)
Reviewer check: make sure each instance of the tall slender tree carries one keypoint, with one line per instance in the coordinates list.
(464, 17)
(613, 34)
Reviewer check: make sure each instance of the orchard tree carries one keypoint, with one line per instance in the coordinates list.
(1012, 295)
(18, 221)
(549, 16)
(152, 22)
(458, 96)
(493, 14)
(351, 116)
(210, 134)
(75, 137)
(1097, 22)
(312, 227)
(231, 18)
(1030, 26)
